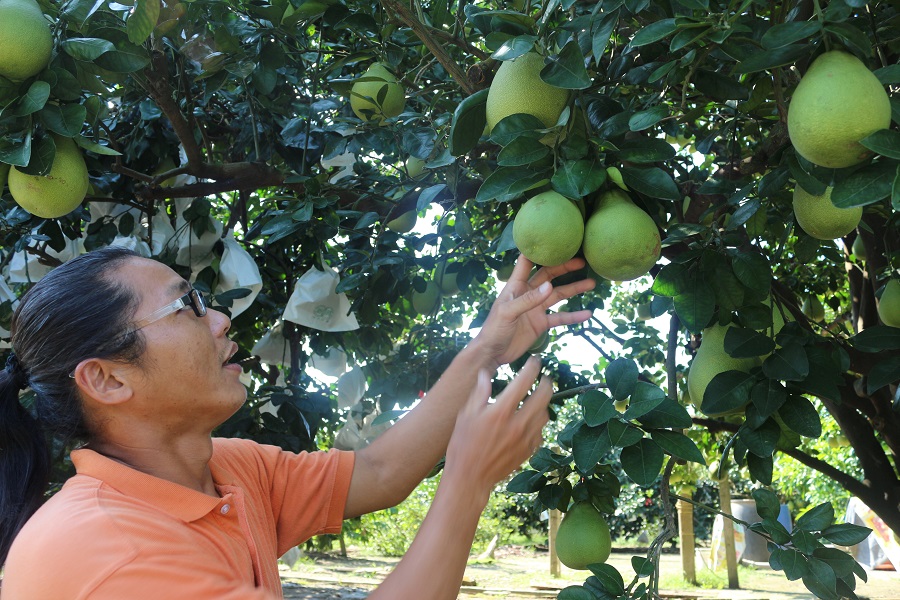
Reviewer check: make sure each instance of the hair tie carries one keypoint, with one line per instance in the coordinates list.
(18, 374)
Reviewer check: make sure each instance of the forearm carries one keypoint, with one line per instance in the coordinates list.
(434, 566)
(403, 455)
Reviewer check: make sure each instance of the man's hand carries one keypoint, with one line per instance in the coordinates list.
(519, 315)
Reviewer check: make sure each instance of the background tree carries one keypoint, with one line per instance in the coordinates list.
(203, 123)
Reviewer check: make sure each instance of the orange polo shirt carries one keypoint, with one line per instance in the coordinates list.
(114, 533)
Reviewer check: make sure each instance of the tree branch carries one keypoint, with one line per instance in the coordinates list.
(159, 89)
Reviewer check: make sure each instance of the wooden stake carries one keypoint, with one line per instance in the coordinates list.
(730, 554)
(686, 536)
(555, 518)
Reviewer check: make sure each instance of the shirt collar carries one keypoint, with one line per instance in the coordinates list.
(172, 498)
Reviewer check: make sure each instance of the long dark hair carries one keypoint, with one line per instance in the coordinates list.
(75, 312)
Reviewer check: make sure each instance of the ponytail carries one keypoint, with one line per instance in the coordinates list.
(24, 457)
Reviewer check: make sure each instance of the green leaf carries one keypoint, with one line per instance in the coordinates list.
(761, 468)
(644, 399)
(526, 482)
(654, 32)
(515, 125)
(647, 118)
(695, 307)
(726, 392)
(785, 34)
(602, 26)
(846, 534)
(652, 181)
(770, 59)
(597, 408)
(589, 444)
(788, 363)
(621, 434)
(507, 183)
(790, 561)
(34, 100)
(642, 566)
(17, 155)
(673, 279)
(142, 20)
(877, 338)
(805, 542)
(609, 578)
(644, 151)
(888, 75)
(523, 151)
(768, 396)
(865, 186)
(803, 178)
(66, 120)
(840, 562)
(772, 528)
(801, 416)
(621, 377)
(578, 178)
(753, 270)
(94, 147)
(566, 70)
(678, 445)
(468, 123)
(427, 196)
(575, 592)
(515, 47)
(669, 413)
(43, 153)
(761, 441)
(853, 37)
(87, 49)
(719, 87)
(885, 142)
(643, 461)
(821, 580)
(883, 373)
(818, 518)
(747, 343)
(768, 506)
(124, 61)
(895, 191)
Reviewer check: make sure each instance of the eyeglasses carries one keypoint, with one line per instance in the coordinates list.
(193, 298)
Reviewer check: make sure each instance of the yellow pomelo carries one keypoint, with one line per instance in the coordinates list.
(446, 281)
(820, 218)
(710, 360)
(518, 88)
(837, 103)
(813, 309)
(377, 95)
(58, 192)
(889, 304)
(621, 242)
(583, 537)
(427, 302)
(26, 43)
(404, 223)
(548, 229)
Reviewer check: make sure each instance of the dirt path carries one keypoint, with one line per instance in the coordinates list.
(523, 573)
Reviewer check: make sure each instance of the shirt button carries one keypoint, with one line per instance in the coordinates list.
(225, 508)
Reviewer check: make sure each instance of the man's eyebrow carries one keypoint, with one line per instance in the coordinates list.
(182, 285)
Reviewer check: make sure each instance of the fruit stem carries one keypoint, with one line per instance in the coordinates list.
(821, 18)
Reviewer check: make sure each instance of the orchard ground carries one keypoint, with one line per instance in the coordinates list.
(523, 572)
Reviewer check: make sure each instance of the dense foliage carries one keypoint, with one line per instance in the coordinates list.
(213, 129)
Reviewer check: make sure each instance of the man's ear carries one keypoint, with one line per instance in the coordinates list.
(105, 381)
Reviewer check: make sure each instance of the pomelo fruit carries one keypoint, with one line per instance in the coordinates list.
(813, 309)
(621, 242)
(26, 43)
(505, 271)
(446, 281)
(377, 95)
(415, 167)
(837, 103)
(548, 229)
(583, 537)
(858, 249)
(426, 302)
(518, 88)
(710, 360)
(889, 304)
(58, 192)
(820, 218)
(404, 223)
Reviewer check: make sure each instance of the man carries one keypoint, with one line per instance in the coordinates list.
(122, 354)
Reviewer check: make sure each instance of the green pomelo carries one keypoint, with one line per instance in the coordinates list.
(26, 43)
(548, 229)
(414, 166)
(504, 272)
(621, 242)
(813, 309)
(58, 192)
(583, 537)
(837, 103)
(446, 281)
(889, 304)
(428, 301)
(404, 223)
(820, 218)
(858, 249)
(377, 95)
(518, 88)
(710, 360)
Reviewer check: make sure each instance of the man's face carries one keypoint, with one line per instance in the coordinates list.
(185, 378)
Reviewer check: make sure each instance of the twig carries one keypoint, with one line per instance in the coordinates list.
(577, 391)
(674, 324)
